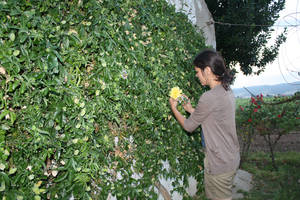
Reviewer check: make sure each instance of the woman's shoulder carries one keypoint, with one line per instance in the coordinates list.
(206, 96)
(216, 93)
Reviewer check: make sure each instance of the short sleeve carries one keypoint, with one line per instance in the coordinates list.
(201, 112)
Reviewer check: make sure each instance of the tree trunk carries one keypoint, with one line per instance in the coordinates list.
(271, 148)
(163, 191)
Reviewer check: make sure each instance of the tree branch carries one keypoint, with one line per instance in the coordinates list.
(295, 98)
(163, 191)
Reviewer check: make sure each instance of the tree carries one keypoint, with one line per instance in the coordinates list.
(243, 31)
(270, 118)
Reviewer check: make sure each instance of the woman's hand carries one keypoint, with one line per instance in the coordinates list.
(187, 105)
(173, 103)
(177, 114)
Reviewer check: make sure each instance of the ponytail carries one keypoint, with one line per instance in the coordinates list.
(226, 79)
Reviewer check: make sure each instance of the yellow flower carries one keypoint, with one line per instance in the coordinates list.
(175, 92)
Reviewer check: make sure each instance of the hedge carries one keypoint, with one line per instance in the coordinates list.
(84, 98)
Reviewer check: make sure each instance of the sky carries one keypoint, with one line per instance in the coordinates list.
(286, 67)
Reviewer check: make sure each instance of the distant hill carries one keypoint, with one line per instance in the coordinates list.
(272, 90)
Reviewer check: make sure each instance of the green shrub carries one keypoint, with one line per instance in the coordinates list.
(270, 118)
(76, 75)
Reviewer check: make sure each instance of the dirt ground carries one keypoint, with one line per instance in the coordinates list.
(289, 142)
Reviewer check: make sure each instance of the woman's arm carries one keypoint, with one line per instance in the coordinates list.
(180, 118)
(188, 107)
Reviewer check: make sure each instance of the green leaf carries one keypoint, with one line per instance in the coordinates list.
(12, 171)
(2, 188)
(3, 114)
(12, 36)
(37, 197)
(23, 87)
(16, 52)
(52, 61)
(13, 117)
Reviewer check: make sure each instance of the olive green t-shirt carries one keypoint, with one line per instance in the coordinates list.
(215, 112)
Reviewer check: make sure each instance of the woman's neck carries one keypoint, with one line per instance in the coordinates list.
(213, 83)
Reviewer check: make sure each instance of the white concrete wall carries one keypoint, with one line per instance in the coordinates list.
(199, 15)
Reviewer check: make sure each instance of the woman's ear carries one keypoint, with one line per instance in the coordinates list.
(207, 70)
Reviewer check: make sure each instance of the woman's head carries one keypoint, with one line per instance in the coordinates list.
(210, 64)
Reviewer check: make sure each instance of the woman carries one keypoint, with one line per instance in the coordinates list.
(215, 112)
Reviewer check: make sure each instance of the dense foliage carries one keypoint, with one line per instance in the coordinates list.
(84, 98)
(246, 43)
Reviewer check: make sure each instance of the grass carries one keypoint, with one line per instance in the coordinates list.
(283, 184)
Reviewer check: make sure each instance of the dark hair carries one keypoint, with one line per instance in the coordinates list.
(210, 58)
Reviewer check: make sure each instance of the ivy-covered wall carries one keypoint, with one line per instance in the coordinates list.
(84, 98)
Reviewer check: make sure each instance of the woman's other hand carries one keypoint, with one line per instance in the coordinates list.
(187, 105)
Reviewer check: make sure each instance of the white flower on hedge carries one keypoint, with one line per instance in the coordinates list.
(144, 28)
(82, 113)
(104, 63)
(6, 152)
(78, 169)
(86, 138)
(57, 128)
(75, 140)
(86, 23)
(76, 152)
(62, 162)
(82, 105)
(54, 173)
(71, 31)
(30, 177)
(124, 74)
(97, 92)
(2, 166)
(103, 84)
(20, 197)
(76, 101)
(116, 140)
(29, 167)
